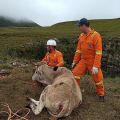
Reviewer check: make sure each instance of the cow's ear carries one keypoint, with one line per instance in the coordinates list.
(34, 69)
(42, 63)
(55, 68)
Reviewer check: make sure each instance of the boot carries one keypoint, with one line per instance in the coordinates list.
(101, 99)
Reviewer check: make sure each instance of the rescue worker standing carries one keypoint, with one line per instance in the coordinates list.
(88, 57)
(53, 57)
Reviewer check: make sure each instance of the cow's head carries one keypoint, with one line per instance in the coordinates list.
(43, 73)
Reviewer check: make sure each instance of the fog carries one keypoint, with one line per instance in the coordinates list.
(48, 12)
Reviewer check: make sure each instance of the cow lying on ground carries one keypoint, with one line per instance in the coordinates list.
(61, 95)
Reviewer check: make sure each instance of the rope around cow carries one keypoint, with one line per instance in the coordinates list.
(12, 114)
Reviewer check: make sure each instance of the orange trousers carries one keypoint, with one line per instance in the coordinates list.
(82, 67)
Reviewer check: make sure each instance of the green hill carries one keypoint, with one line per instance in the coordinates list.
(9, 22)
(107, 27)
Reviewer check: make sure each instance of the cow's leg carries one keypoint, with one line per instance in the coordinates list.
(34, 101)
(36, 106)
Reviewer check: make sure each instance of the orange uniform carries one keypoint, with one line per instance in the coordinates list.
(55, 58)
(88, 54)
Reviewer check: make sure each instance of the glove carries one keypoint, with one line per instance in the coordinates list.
(94, 70)
(73, 65)
(55, 68)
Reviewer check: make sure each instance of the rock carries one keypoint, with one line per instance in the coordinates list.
(19, 64)
(4, 72)
(16, 64)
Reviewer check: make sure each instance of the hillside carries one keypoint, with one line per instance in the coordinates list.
(107, 27)
(29, 43)
(9, 22)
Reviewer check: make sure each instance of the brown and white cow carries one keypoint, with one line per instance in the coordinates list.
(61, 95)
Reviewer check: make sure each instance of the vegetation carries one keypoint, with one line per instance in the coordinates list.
(29, 42)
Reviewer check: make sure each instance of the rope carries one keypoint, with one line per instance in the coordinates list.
(12, 114)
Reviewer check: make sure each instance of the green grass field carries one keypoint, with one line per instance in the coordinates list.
(30, 42)
(14, 36)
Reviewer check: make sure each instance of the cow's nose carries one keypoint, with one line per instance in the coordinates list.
(33, 78)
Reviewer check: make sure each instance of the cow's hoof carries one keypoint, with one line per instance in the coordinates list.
(101, 99)
(28, 99)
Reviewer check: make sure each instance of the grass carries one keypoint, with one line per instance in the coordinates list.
(15, 36)
(29, 43)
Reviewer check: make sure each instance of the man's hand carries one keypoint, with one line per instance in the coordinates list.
(94, 70)
(73, 65)
(55, 68)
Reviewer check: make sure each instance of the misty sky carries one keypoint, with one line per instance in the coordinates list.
(48, 12)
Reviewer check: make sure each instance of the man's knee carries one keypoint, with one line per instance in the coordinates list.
(79, 69)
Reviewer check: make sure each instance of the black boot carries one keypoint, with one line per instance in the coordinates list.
(101, 99)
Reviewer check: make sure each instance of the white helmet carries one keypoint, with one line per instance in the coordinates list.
(51, 42)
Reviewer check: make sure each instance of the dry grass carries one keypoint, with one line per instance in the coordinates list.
(17, 86)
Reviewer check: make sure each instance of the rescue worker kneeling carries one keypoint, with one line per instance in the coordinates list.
(53, 57)
(88, 56)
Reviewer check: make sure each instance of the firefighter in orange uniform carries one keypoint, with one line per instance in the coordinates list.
(88, 57)
(53, 57)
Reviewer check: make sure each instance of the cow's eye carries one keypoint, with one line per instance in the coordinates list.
(37, 72)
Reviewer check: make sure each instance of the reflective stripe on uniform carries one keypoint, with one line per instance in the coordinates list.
(77, 77)
(99, 83)
(61, 63)
(81, 34)
(94, 33)
(78, 51)
(99, 52)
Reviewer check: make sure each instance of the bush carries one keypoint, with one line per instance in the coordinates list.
(110, 60)
(28, 51)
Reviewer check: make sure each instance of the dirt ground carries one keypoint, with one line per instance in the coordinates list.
(15, 88)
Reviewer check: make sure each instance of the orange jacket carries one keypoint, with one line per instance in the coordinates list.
(55, 58)
(89, 48)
